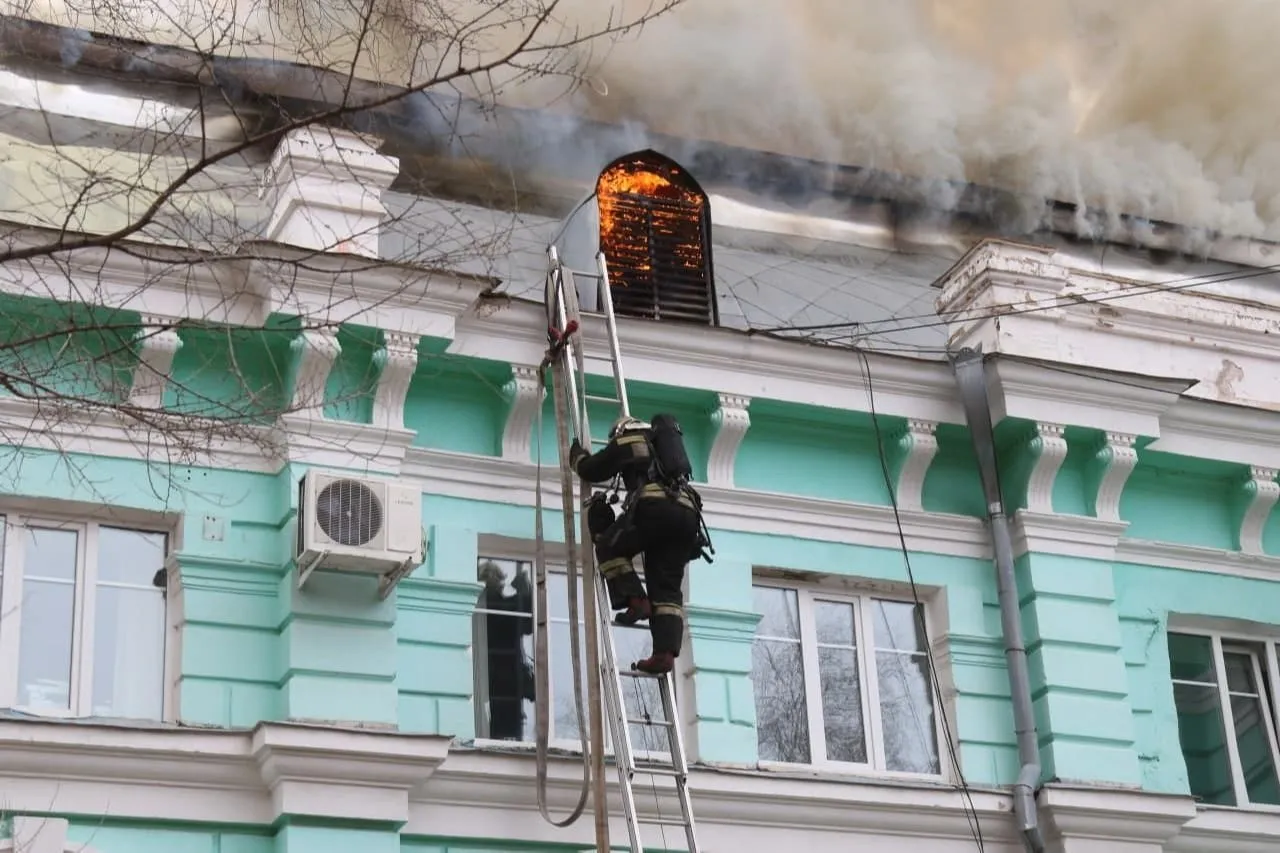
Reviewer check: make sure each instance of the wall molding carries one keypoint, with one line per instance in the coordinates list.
(255, 777)
(730, 422)
(1067, 535)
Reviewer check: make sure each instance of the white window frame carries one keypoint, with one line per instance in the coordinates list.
(16, 521)
(869, 690)
(1221, 643)
(502, 548)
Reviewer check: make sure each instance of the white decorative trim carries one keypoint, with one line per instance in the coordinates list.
(1193, 558)
(1208, 430)
(483, 478)
(524, 395)
(1228, 830)
(920, 445)
(341, 444)
(1051, 449)
(1261, 491)
(1069, 535)
(1118, 819)
(725, 361)
(1035, 391)
(314, 351)
(273, 770)
(399, 356)
(730, 420)
(158, 343)
(1113, 462)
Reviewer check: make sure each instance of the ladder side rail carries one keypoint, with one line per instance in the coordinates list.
(622, 750)
(611, 324)
(678, 760)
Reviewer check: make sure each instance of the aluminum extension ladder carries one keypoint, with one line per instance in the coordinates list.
(563, 308)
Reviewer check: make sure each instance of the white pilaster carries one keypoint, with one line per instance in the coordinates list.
(324, 188)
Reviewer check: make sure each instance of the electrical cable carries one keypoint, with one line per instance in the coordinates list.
(971, 812)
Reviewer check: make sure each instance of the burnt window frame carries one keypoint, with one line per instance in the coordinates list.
(681, 177)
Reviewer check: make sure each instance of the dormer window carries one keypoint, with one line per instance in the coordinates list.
(655, 232)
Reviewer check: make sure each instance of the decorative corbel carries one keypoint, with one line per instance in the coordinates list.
(314, 353)
(915, 449)
(1113, 461)
(524, 397)
(397, 361)
(1260, 494)
(1049, 446)
(731, 420)
(158, 343)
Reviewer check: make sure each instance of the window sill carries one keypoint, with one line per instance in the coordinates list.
(560, 749)
(853, 773)
(1247, 808)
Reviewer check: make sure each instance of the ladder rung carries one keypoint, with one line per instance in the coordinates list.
(662, 821)
(597, 399)
(600, 441)
(659, 771)
(635, 722)
(635, 673)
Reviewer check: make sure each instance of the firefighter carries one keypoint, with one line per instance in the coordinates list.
(661, 518)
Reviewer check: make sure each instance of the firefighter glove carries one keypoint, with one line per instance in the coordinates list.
(576, 453)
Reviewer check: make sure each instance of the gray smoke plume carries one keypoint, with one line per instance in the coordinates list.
(1161, 109)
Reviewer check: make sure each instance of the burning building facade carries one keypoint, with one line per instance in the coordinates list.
(175, 676)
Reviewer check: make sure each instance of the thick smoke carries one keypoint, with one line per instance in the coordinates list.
(1163, 109)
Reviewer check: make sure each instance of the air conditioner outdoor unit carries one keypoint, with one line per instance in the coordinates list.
(357, 524)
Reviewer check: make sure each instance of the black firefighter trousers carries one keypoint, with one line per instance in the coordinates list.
(665, 531)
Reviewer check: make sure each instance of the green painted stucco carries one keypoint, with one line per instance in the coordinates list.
(256, 648)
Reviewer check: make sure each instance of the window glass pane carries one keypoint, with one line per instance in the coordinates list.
(833, 623)
(1204, 745)
(1253, 742)
(640, 695)
(906, 712)
(1240, 675)
(129, 625)
(779, 612)
(503, 651)
(898, 626)
(842, 704)
(782, 721)
(564, 722)
(1191, 658)
(48, 611)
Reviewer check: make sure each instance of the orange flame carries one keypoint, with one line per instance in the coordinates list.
(638, 178)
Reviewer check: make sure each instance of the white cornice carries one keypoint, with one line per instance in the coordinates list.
(255, 777)
(483, 478)
(1209, 430)
(1069, 535)
(1228, 830)
(211, 774)
(724, 361)
(1196, 559)
(1036, 392)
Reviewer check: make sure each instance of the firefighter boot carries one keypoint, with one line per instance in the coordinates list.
(667, 627)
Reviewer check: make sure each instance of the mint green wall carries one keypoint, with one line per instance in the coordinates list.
(75, 351)
(952, 484)
(1146, 596)
(457, 404)
(349, 390)
(1176, 499)
(807, 451)
(116, 836)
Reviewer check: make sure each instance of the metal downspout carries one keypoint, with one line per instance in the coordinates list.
(971, 378)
